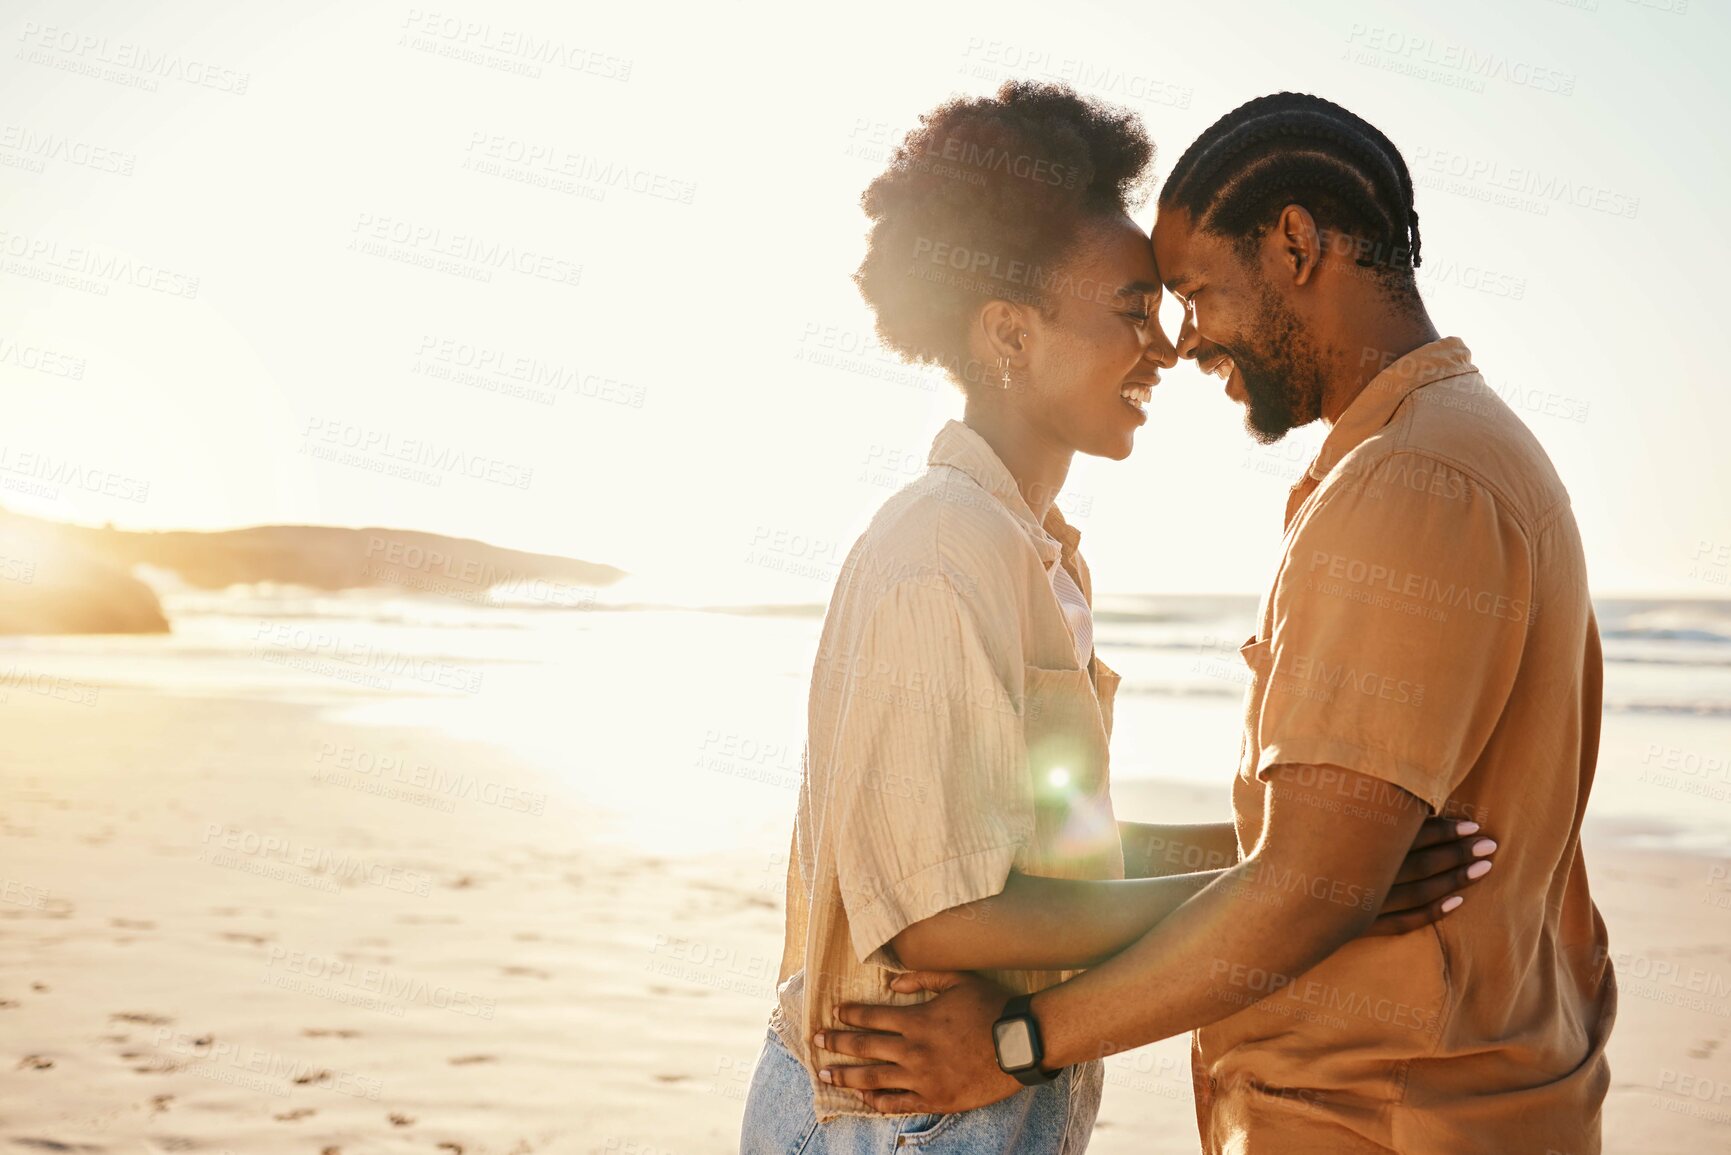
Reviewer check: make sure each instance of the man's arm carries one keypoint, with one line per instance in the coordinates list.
(1170, 980)
(1153, 851)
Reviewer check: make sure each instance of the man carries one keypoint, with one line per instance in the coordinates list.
(1427, 645)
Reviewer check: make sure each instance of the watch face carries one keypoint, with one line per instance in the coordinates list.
(1015, 1044)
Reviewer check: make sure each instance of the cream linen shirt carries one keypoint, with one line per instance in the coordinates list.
(952, 736)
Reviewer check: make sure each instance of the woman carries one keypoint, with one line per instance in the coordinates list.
(954, 811)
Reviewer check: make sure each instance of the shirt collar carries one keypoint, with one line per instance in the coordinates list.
(1376, 402)
(959, 447)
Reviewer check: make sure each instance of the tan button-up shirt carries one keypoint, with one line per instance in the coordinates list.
(1430, 627)
(951, 736)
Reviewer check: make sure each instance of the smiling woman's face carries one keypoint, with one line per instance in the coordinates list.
(1099, 338)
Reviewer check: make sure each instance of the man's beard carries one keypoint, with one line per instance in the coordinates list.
(1283, 377)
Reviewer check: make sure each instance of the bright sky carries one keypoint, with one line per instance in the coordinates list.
(340, 178)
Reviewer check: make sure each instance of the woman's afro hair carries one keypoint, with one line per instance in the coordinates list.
(982, 202)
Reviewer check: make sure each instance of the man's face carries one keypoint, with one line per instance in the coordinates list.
(1240, 324)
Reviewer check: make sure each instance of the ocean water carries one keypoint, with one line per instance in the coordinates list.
(682, 727)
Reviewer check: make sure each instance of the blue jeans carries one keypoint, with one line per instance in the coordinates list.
(1054, 1119)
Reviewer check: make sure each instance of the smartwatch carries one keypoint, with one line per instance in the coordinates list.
(1016, 1038)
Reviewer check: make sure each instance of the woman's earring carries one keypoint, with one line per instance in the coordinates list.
(1004, 364)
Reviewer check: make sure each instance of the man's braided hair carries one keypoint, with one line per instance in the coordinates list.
(1294, 148)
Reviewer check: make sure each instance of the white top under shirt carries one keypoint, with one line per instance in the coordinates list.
(1077, 615)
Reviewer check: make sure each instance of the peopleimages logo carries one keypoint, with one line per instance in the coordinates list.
(1456, 64)
(972, 155)
(1417, 586)
(285, 643)
(467, 254)
(991, 271)
(37, 148)
(326, 436)
(549, 164)
(89, 53)
(509, 49)
(496, 369)
(1475, 175)
(51, 473)
(335, 975)
(102, 268)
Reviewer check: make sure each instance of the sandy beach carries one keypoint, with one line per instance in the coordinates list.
(238, 926)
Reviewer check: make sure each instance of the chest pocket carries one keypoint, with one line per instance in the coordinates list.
(1064, 731)
(1247, 789)
(1258, 656)
(1106, 681)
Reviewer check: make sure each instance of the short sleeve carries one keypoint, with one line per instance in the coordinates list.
(931, 798)
(1398, 624)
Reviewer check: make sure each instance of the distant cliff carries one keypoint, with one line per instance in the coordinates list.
(76, 579)
(51, 585)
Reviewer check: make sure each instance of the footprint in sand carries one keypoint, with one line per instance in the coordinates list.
(527, 972)
(312, 1077)
(242, 936)
(329, 1033)
(34, 1063)
(132, 923)
(156, 1067)
(159, 1103)
(465, 1060)
(297, 1113)
(141, 1018)
(398, 1119)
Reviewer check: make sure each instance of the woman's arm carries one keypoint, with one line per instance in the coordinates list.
(1152, 851)
(1038, 923)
